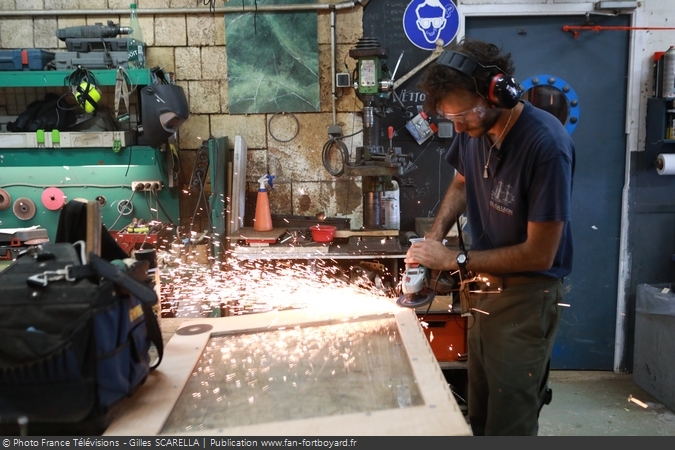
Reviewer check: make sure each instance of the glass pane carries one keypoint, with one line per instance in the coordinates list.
(287, 374)
(549, 99)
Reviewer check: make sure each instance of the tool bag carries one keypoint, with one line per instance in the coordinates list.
(75, 340)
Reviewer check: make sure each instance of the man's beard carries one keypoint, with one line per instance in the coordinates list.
(492, 115)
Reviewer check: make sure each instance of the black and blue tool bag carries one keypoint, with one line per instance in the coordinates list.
(75, 340)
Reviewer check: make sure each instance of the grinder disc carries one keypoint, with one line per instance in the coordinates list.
(53, 198)
(5, 199)
(24, 208)
(421, 298)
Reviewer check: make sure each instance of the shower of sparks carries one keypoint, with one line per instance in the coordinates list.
(191, 289)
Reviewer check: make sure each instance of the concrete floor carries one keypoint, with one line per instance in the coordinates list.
(585, 403)
(597, 404)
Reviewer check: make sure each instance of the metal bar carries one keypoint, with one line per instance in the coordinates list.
(183, 11)
(598, 28)
(574, 29)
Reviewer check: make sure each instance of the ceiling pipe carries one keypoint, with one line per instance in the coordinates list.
(181, 11)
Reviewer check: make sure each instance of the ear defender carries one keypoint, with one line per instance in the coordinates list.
(503, 90)
(87, 96)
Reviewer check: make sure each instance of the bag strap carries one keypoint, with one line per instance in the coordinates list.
(154, 333)
(145, 294)
(113, 273)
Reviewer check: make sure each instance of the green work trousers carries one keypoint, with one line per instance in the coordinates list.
(510, 341)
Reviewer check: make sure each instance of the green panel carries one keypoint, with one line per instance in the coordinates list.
(272, 59)
(87, 174)
(55, 78)
(218, 157)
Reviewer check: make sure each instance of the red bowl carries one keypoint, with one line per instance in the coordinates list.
(322, 233)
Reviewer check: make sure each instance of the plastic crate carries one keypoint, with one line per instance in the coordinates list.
(36, 59)
(10, 60)
(91, 60)
(25, 59)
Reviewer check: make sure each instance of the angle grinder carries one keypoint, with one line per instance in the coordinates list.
(415, 286)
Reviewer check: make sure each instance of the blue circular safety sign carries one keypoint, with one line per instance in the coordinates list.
(426, 21)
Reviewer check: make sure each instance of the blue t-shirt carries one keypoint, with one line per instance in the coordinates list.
(530, 179)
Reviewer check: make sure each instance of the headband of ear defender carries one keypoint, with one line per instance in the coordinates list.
(503, 90)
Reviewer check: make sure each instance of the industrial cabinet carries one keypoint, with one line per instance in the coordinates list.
(660, 129)
(74, 167)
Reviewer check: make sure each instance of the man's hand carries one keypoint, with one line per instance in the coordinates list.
(431, 254)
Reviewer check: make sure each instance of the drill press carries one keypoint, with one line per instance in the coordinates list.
(376, 164)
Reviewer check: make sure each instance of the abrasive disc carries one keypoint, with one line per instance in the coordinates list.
(422, 298)
(5, 200)
(53, 198)
(24, 208)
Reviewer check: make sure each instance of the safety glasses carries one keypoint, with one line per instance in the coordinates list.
(463, 116)
(426, 22)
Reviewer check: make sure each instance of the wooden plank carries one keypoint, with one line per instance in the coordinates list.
(375, 233)
(93, 242)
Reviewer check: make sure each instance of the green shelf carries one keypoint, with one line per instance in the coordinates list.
(55, 78)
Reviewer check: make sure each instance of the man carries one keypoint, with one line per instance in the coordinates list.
(514, 166)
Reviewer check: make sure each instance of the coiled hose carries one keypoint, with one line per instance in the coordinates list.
(325, 153)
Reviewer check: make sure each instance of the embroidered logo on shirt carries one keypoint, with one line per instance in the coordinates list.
(502, 199)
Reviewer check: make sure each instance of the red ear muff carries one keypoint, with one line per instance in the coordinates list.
(504, 91)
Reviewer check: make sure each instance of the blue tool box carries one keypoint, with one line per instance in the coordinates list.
(25, 59)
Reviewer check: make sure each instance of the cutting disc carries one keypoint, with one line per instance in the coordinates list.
(5, 199)
(421, 298)
(53, 198)
(24, 208)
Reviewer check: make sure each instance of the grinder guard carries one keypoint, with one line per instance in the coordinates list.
(164, 108)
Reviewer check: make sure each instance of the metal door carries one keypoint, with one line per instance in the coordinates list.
(595, 65)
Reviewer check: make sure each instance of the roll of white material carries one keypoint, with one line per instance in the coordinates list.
(665, 164)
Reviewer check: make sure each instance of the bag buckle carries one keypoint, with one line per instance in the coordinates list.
(43, 279)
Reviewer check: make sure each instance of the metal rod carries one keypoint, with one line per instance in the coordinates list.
(150, 11)
(332, 63)
(432, 57)
(598, 28)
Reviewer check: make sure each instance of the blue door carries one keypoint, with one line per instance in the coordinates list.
(584, 81)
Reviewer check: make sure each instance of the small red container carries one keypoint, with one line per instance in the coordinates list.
(322, 233)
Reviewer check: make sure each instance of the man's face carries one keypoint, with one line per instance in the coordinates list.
(468, 111)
